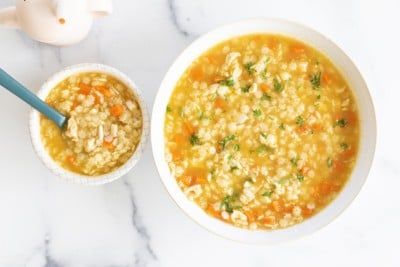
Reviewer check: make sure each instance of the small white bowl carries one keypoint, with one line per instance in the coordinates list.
(367, 136)
(34, 126)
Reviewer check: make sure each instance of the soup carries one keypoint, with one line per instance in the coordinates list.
(104, 126)
(261, 131)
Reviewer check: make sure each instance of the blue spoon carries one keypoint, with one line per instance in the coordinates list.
(19, 90)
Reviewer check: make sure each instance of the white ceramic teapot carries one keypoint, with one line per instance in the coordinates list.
(57, 22)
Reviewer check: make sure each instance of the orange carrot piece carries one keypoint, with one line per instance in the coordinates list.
(302, 129)
(251, 217)
(298, 48)
(197, 175)
(186, 180)
(305, 170)
(108, 145)
(317, 128)
(71, 159)
(347, 154)
(220, 103)
(197, 73)
(117, 110)
(326, 78)
(276, 205)
(210, 209)
(269, 220)
(264, 87)
(84, 89)
(104, 90)
(188, 128)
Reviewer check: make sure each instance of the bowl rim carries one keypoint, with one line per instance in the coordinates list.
(34, 126)
(310, 225)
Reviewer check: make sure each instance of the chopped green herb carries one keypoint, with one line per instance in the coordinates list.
(278, 87)
(225, 140)
(264, 74)
(245, 89)
(284, 179)
(329, 162)
(169, 109)
(248, 179)
(282, 126)
(212, 172)
(227, 203)
(266, 96)
(300, 120)
(228, 82)
(234, 168)
(300, 177)
(262, 149)
(341, 123)
(236, 147)
(202, 116)
(267, 194)
(230, 157)
(249, 67)
(265, 135)
(315, 80)
(318, 97)
(257, 113)
(294, 161)
(344, 146)
(182, 112)
(194, 140)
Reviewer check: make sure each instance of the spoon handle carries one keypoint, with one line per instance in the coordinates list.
(19, 90)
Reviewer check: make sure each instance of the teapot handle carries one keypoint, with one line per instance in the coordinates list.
(8, 18)
(100, 8)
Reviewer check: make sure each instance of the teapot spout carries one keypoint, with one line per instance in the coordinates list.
(100, 8)
(8, 18)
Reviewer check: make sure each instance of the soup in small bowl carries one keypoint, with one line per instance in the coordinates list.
(264, 131)
(106, 129)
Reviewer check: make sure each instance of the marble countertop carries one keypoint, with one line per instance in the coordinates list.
(133, 222)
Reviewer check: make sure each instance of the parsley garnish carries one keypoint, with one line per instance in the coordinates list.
(300, 177)
(315, 80)
(236, 147)
(169, 109)
(262, 149)
(245, 89)
(344, 146)
(294, 161)
(266, 96)
(257, 113)
(225, 140)
(234, 168)
(248, 66)
(329, 162)
(227, 203)
(341, 123)
(282, 126)
(267, 194)
(194, 140)
(300, 120)
(228, 82)
(278, 87)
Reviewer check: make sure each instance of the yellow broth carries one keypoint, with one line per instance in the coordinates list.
(261, 131)
(104, 125)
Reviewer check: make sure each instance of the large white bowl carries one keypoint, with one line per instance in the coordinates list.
(34, 126)
(356, 82)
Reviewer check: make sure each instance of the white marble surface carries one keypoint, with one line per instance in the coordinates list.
(133, 222)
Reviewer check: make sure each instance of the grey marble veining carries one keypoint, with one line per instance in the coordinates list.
(133, 222)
